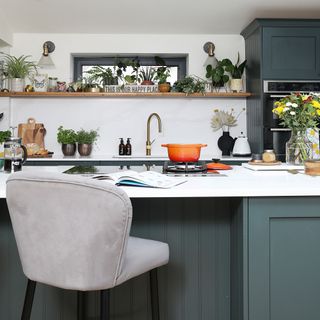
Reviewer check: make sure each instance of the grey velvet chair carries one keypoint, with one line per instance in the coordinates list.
(73, 233)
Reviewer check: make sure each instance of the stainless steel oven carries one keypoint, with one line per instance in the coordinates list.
(275, 135)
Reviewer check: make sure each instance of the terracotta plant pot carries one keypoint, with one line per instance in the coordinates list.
(147, 83)
(164, 87)
(84, 149)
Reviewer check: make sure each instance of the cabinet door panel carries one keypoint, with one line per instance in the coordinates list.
(284, 259)
(291, 53)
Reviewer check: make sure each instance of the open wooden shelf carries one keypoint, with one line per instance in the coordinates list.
(124, 95)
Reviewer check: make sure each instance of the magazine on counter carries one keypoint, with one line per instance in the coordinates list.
(141, 179)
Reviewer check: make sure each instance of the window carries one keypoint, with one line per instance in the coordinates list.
(176, 63)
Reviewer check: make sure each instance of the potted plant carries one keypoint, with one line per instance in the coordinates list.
(189, 84)
(236, 71)
(85, 141)
(162, 74)
(68, 139)
(147, 75)
(17, 69)
(91, 85)
(217, 75)
(104, 76)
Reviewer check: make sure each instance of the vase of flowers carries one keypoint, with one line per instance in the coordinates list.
(224, 120)
(298, 112)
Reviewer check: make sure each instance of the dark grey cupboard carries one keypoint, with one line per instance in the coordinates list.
(277, 49)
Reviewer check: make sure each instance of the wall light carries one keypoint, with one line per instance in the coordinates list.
(45, 60)
(211, 59)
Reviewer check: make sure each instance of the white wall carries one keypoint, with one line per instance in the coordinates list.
(184, 120)
(5, 32)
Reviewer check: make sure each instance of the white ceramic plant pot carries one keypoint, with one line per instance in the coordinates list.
(236, 85)
(17, 85)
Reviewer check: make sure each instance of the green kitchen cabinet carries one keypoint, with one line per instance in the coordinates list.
(291, 53)
(283, 49)
(283, 258)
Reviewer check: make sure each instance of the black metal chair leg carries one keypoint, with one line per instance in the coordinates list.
(154, 294)
(81, 305)
(105, 304)
(28, 300)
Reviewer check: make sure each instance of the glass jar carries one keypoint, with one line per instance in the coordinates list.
(298, 148)
(268, 156)
(52, 85)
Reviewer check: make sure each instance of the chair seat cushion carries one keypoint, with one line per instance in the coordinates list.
(142, 255)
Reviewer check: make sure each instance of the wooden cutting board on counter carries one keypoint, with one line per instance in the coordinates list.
(32, 132)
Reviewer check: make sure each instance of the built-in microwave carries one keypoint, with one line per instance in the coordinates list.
(275, 135)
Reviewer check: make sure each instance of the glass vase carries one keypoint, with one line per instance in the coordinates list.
(298, 148)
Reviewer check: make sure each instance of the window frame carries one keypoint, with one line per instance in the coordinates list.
(179, 61)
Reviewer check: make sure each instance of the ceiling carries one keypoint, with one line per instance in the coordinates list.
(148, 16)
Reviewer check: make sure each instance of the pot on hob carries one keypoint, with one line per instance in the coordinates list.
(184, 152)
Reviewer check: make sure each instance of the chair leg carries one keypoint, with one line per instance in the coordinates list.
(105, 304)
(81, 305)
(154, 294)
(28, 300)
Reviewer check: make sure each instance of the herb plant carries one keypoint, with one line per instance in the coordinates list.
(66, 136)
(4, 135)
(87, 137)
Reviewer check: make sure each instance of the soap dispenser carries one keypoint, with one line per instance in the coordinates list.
(122, 148)
(128, 147)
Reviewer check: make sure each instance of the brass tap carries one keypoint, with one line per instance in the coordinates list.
(148, 143)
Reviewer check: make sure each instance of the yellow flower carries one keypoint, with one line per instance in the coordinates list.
(315, 103)
(278, 110)
(318, 112)
(304, 97)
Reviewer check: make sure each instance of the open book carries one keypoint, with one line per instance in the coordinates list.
(141, 179)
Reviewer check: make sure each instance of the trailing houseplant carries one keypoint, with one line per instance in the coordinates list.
(85, 141)
(68, 139)
(189, 84)
(18, 68)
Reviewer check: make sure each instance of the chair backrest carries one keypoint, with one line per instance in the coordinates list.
(71, 231)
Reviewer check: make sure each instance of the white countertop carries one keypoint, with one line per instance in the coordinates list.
(60, 157)
(238, 182)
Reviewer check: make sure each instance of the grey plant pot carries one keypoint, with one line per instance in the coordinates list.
(84, 149)
(69, 149)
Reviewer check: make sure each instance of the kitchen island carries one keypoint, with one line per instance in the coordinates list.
(243, 246)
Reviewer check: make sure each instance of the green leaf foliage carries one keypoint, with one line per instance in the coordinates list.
(4, 135)
(189, 85)
(87, 137)
(19, 67)
(66, 136)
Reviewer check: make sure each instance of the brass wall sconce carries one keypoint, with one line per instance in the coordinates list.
(45, 60)
(209, 48)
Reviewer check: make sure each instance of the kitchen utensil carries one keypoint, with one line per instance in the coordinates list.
(184, 152)
(218, 166)
(241, 146)
(15, 154)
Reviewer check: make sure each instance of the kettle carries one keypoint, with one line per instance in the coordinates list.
(241, 146)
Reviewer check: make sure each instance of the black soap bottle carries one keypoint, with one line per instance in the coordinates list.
(128, 147)
(122, 148)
